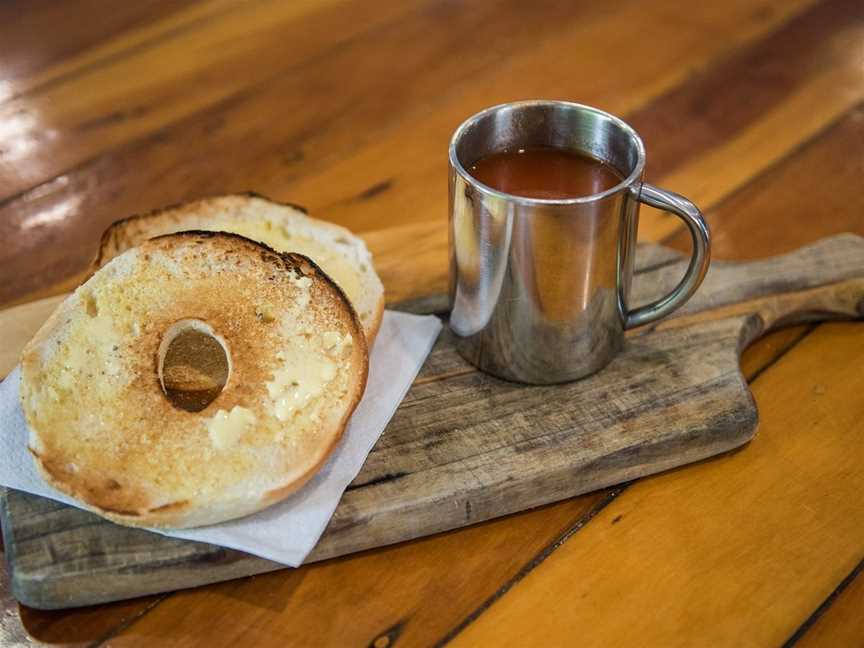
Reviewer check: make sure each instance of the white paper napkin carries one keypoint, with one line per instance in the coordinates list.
(285, 532)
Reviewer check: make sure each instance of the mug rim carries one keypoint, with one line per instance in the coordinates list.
(628, 181)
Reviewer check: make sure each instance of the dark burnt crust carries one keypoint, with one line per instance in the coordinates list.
(118, 225)
(285, 261)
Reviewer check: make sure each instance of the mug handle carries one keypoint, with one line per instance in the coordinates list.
(690, 214)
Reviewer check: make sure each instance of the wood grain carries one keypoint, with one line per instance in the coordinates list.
(670, 113)
(22, 21)
(788, 194)
(59, 125)
(684, 47)
(729, 545)
(379, 594)
(466, 447)
(840, 622)
(413, 593)
(137, 95)
(348, 136)
(784, 194)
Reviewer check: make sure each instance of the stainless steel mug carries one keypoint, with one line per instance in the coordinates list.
(539, 288)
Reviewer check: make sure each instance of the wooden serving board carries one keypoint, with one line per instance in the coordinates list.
(465, 447)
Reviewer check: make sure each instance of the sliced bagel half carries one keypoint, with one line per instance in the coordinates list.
(285, 228)
(100, 381)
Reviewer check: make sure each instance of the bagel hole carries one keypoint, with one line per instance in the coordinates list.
(194, 367)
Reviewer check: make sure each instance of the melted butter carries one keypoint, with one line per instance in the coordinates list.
(76, 357)
(296, 385)
(91, 347)
(335, 265)
(226, 428)
(336, 344)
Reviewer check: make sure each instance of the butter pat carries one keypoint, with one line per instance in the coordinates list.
(330, 339)
(303, 376)
(91, 345)
(226, 428)
(334, 343)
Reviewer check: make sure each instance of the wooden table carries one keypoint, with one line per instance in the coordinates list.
(753, 108)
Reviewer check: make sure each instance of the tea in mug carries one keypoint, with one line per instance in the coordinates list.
(547, 173)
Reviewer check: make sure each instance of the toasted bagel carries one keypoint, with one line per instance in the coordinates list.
(285, 228)
(93, 384)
